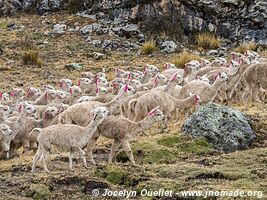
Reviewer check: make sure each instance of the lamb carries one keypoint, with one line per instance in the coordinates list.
(77, 113)
(47, 97)
(206, 91)
(121, 130)
(168, 104)
(68, 137)
(6, 135)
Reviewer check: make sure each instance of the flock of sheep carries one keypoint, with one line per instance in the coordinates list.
(72, 117)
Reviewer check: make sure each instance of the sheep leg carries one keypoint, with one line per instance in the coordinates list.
(43, 159)
(71, 155)
(90, 148)
(26, 146)
(115, 147)
(83, 156)
(36, 158)
(126, 147)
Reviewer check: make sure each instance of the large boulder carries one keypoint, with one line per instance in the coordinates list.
(225, 128)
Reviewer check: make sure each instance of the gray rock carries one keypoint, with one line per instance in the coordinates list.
(234, 2)
(94, 28)
(59, 28)
(213, 52)
(73, 66)
(225, 128)
(98, 56)
(168, 47)
(128, 30)
(49, 5)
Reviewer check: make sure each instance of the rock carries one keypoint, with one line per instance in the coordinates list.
(94, 28)
(59, 28)
(49, 5)
(213, 53)
(128, 30)
(234, 2)
(13, 26)
(225, 128)
(98, 56)
(73, 66)
(168, 47)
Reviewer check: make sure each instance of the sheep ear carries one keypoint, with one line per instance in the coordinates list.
(125, 89)
(152, 112)
(1, 95)
(174, 76)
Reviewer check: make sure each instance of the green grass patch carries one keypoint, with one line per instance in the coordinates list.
(3, 25)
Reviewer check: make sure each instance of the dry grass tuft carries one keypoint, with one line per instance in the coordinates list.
(149, 47)
(184, 58)
(208, 41)
(31, 58)
(246, 46)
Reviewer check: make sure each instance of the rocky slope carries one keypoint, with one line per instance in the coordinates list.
(236, 20)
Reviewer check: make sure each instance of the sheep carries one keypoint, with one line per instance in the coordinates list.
(168, 104)
(65, 84)
(254, 78)
(149, 72)
(32, 94)
(121, 130)
(47, 97)
(17, 93)
(89, 75)
(6, 135)
(84, 83)
(77, 113)
(170, 87)
(68, 137)
(170, 66)
(16, 124)
(206, 91)
(6, 110)
(4, 96)
(157, 80)
(40, 109)
(124, 105)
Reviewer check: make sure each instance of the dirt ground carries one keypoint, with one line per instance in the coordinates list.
(170, 160)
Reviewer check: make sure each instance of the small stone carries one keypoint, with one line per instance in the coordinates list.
(73, 66)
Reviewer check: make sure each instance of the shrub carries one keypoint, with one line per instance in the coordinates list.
(246, 46)
(183, 58)
(31, 58)
(208, 40)
(149, 47)
(168, 25)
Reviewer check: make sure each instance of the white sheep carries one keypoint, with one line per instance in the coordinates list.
(121, 130)
(67, 137)
(6, 135)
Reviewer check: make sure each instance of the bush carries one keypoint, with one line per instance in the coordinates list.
(149, 47)
(31, 58)
(183, 58)
(246, 46)
(208, 41)
(167, 25)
